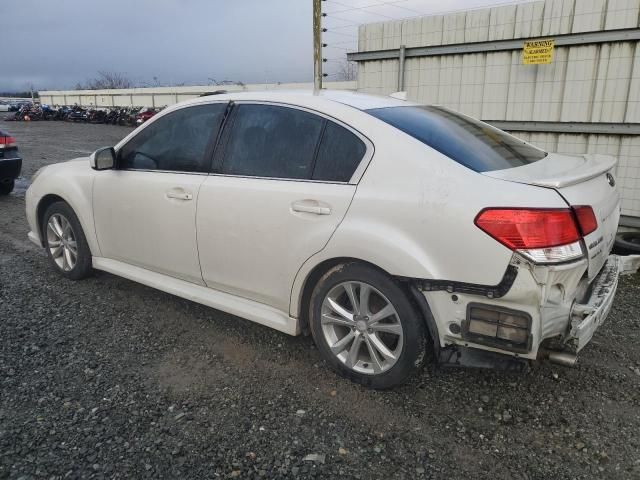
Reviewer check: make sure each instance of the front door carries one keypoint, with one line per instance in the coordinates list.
(145, 210)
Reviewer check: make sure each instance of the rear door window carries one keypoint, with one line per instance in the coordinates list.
(339, 155)
(272, 141)
(469, 142)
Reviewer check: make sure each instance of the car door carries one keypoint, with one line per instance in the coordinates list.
(145, 209)
(282, 183)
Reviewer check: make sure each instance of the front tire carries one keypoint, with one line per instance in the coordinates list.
(365, 326)
(65, 242)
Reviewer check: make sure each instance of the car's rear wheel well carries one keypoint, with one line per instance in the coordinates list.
(420, 305)
(45, 202)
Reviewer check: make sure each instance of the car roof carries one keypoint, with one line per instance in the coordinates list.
(360, 101)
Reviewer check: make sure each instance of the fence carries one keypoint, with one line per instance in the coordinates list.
(162, 96)
(586, 100)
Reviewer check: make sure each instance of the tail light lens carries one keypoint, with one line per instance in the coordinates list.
(7, 142)
(586, 219)
(542, 235)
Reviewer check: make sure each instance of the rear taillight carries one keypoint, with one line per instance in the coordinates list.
(542, 235)
(586, 219)
(7, 142)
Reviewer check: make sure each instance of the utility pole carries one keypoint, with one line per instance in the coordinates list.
(317, 45)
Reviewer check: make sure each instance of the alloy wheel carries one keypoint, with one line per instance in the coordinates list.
(362, 327)
(62, 242)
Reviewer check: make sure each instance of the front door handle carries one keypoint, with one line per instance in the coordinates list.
(179, 194)
(311, 206)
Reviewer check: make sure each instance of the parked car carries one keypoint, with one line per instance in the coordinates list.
(393, 232)
(4, 106)
(145, 115)
(10, 163)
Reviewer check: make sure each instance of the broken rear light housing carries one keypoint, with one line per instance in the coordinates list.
(542, 235)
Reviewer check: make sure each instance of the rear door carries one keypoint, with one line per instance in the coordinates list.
(283, 181)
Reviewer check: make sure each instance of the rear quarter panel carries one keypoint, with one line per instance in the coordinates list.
(413, 214)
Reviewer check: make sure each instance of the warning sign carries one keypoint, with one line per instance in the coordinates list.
(538, 52)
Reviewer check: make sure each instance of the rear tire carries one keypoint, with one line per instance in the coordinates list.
(366, 327)
(6, 187)
(65, 242)
(628, 243)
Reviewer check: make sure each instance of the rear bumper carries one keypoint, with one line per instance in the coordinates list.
(10, 167)
(588, 316)
(556, 305)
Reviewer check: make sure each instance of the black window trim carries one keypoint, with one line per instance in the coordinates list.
(212, 144)
(227, 128)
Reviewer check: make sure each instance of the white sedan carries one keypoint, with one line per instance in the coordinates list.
(392, 232)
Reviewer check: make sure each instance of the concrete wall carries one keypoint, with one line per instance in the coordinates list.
(163, 96)
(585, 83)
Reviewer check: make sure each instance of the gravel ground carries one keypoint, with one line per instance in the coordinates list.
(106, 378)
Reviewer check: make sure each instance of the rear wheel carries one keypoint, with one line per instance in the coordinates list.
(65, 242)
(6, 187)
(365, 326)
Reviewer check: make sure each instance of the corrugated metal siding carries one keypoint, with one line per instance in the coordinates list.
(588, 83)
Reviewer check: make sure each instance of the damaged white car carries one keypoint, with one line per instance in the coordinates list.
(392, 232)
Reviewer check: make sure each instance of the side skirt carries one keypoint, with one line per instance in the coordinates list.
(241, 307)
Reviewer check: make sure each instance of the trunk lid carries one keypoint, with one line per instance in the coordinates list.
(580, 180)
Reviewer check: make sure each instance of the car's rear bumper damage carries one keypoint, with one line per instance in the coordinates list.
(588, 316)
(549, 311)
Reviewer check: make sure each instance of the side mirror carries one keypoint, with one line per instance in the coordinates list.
(103, 159)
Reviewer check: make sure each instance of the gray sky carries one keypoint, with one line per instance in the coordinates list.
(54, 44)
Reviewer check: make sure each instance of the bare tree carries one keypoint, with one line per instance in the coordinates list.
(106, 80)
(346, 70)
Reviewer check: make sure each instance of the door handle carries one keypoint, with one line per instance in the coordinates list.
(311, 206)
(179, 195)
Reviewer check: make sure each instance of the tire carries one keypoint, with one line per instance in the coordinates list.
(60, 221)
(401, 331)
(6, 187)
(628, 243)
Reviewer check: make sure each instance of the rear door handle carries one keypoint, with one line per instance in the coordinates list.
(311, 206)
(179, 195)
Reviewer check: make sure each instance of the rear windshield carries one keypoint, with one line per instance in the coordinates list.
(469, 142)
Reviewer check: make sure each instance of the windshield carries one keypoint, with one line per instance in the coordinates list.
(471, 143)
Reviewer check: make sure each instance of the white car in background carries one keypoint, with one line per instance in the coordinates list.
(4, 106)
(392, 231)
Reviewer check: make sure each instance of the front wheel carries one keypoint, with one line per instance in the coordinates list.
(365, 326)
(65, 242)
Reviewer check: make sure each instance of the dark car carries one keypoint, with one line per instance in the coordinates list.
(10, 162)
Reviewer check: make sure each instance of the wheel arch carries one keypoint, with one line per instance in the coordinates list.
(44, 203)
(49, 199)
(303, 299)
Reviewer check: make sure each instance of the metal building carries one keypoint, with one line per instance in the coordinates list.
(587, 100)
(163, 96)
